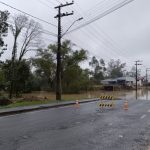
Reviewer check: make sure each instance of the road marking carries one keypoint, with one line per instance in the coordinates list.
(143, 116)
(148, 110)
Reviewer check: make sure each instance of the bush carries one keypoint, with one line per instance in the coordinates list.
(4, 101)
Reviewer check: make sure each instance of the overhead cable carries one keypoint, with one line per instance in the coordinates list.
(114, 8)
(28, 14)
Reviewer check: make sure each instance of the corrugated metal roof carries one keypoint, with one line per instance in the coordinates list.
(120, 78)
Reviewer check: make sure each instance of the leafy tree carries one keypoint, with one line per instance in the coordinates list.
(74, 78)
(115, 68)
(3, 29)
(2, 77)
(99, 69)
(22, 75)
(45, 66)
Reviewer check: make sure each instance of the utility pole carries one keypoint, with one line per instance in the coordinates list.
(146, 83)
(58, 71)
(136, 64)
(147, 69)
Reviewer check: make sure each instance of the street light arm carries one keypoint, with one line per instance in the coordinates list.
(68, 28)
(71, 26)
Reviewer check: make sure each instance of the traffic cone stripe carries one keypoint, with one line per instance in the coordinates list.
(125, 106)
(77, 104)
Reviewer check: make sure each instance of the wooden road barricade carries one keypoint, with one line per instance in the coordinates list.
(104, 101)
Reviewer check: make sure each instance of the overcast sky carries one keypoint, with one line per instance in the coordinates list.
(123, 34)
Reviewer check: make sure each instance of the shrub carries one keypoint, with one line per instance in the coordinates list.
(4, 101)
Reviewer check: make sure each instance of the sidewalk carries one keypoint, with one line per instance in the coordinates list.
(18, 110)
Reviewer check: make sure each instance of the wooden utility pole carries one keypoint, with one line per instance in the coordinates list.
(136, 64)
(58, 71)
(147, 69)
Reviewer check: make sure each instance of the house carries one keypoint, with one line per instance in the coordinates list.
(109, 81)
(122, 81)
(126, 81)
(146, 80)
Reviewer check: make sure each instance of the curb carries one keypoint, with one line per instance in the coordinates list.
(41, 107)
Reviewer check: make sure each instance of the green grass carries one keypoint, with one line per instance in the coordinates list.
(32, 103)
(68, 97)
(51, 97)
(26, 103)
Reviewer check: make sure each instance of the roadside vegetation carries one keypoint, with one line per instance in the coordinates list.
(21, 76)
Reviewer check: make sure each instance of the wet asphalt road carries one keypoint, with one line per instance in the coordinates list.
(84, 128)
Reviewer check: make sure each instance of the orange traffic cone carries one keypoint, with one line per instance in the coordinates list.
(77, 104)
(125, 106)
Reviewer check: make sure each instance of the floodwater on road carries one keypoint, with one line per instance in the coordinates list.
(142, 94)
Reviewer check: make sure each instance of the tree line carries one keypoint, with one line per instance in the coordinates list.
(21, 75)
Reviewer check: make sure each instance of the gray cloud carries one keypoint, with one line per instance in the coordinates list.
(123, 34)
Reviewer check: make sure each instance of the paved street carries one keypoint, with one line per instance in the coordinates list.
(84, 128)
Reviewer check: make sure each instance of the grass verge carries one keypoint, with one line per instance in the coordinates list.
(40, 102)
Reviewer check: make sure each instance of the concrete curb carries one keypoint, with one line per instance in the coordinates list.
(18, 110)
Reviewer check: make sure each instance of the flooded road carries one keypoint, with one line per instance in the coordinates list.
(142, 94)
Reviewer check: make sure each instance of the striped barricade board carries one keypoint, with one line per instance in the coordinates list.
(106, 104)
(106, 97)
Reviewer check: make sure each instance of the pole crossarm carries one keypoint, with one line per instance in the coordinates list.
(64, 14)
(63, 5)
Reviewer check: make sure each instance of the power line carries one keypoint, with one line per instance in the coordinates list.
(109, 40)
(96, 5)
(42, 31)
(50, 2)
(89, 35)
(109, 43)
(114, 8)
(49, 33)
(44, 4)
(28, 14)
(99, 9)
(58, 1)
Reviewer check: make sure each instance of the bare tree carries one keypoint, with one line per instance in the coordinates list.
(31, 32)
(20, 22)
(3, 30)
(31, 38)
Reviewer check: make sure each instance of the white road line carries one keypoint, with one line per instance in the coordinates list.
(143, 116)
(148, 110)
